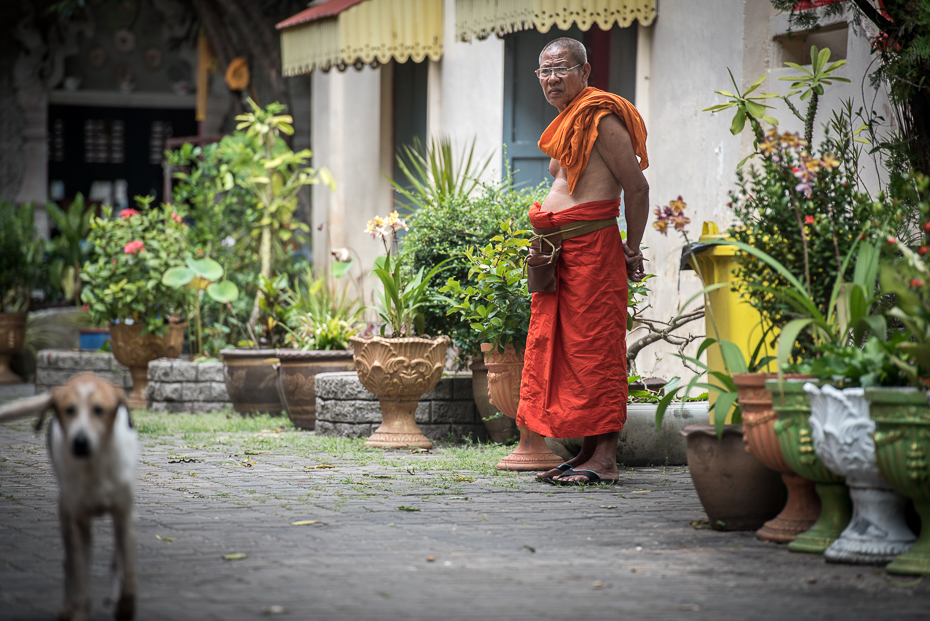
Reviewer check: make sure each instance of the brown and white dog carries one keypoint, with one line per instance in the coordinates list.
(94, 450)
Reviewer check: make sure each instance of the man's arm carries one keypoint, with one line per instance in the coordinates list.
(615, 147)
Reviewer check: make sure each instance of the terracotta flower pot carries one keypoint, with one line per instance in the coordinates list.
(296, 373)
(399, 371)
(842, 432)
(500, 428)
(803, 505)
(251, 380)
(12, 336)
(505, 372)
(902, 446)
(736, 490)
(797, 445)
(132, 349)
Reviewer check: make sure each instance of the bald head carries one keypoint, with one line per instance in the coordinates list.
(566, 44)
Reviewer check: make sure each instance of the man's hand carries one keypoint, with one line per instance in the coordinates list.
(635, 270)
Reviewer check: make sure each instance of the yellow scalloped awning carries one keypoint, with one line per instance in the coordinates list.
(482, 18)
(340, 33)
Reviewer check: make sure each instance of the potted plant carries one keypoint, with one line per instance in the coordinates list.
(123, 286)
(320, 321)
(264, 165)
(399, 368)
(902, 415)
(20, 253)
(497, 307)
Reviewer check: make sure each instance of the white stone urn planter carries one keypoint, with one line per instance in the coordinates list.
(842, 433)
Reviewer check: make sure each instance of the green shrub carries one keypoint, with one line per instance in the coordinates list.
(447, 229)
(20, 253)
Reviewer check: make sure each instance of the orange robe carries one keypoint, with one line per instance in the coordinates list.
(574, 379)
(571, 135)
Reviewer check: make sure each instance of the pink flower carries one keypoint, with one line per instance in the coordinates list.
(128, 213)
(916, 282)
(175, 217)
(892, 240)
(134, 246)
(808, 219)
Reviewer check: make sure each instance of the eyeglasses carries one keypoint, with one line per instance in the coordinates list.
(560, 72)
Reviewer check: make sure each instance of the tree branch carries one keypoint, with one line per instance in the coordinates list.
(662, 331)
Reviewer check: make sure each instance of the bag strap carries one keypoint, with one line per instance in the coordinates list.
(573, 230)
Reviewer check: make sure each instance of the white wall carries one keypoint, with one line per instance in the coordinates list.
(691, 153)
(347, 138)
(471, 93)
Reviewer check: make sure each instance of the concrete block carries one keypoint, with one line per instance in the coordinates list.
(442, 390)
(342, 385)
(424, 408)
(91, 361)
(461, 387)
(458, 412)
(167, 406)
(436, 432)
(194, 391)
(160, 371)
(55, 377)
(166, 392)
(216, 391)
(343, 430)
(354, 412)
(210, 372)
(62, 360)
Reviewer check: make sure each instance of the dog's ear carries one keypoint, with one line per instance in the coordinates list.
(24, 408)
(123, 403)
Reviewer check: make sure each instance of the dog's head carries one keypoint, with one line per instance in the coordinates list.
(86, 408)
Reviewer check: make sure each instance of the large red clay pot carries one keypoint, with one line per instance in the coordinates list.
(505, 371)
(12, 336)
(133, 349)
(802, 507)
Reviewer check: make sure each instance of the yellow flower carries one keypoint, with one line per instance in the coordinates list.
(661, 226)
(677, 206)
(829, 161)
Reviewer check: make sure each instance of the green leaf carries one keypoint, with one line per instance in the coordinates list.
(178, 277)
(733, 357)
(208, 269)
(787, 338)
(223, 292)
(739, 121)
(722, 407)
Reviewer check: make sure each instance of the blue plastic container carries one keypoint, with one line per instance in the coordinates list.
(93, 339)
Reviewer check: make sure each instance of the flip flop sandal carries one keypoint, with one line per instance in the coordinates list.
(561, 468)
(593, 478)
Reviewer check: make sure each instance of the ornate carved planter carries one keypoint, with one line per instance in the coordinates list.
(132, 349)
(842, 432)
(902, 444)
(736, 490)
(296, 372)
(12, 336)
(803, 505)
(399, 371)
(797, 445)
(500, 428)
(251, 380)
(505, 371)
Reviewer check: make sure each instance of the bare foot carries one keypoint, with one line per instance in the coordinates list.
(603, 461)
(587, 449)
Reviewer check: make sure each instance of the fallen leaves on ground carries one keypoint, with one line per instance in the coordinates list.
(308, 523)
(641, 491)
(235, 556)
(461, 479)
(699, 524)
(597, 584)
(403, 508)
(608, 506)
(161, 538)
(182, 459)
(430, 559)
(319, 467)
(416, 449)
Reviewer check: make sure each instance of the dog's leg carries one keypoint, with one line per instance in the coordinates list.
(125, 560)
(77, 538)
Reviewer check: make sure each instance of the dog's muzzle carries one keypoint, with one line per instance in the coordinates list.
(80, 446)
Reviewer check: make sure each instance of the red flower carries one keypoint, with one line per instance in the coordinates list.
(175, 217)
(927, 226)
(808, 219)
(924, 250)
(134, 246)
(916, 282)
(85, 308)
(892, 240)
(128, 213)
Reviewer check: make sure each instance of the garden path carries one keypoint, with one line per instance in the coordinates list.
(502, 545)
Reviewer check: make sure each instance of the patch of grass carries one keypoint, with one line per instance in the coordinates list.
(157, 424)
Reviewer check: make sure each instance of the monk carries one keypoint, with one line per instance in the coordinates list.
(575, 375)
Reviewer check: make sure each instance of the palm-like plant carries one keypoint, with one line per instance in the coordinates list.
(68, 252)
(439, 176)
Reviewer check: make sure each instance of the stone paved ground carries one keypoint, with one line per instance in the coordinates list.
(505, 547)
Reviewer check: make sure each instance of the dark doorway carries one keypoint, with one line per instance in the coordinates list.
(612, 55)
(119, 146)
(410, 92)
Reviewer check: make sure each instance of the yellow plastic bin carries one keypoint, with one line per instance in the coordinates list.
(736, 319)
